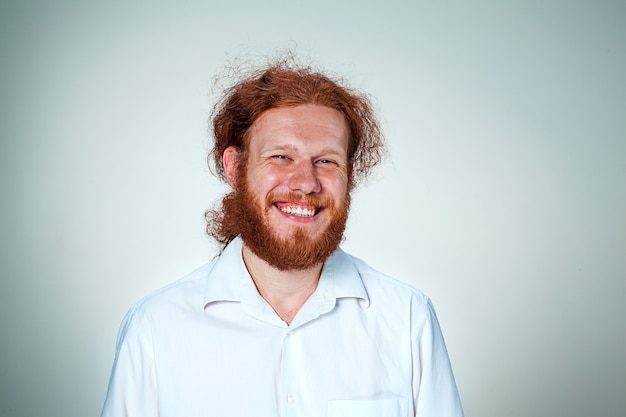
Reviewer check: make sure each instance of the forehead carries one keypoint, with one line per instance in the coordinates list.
(307, 124)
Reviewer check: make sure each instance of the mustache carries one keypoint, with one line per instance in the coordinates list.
(293, 197)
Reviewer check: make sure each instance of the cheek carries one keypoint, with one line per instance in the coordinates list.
(337, 185)
(264, 180)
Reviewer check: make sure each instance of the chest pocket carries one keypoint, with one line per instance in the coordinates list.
(393, 407)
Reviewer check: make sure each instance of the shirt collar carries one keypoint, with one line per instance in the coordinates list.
(224, 280)
(229, 279)
(341, 271)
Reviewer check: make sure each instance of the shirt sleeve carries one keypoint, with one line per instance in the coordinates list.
(132, 390)
(434, 388)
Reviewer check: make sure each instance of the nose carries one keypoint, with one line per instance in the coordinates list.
(303, 178)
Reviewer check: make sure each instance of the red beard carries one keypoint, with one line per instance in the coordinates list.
(244, 215)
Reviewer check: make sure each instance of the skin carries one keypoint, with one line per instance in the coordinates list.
(301, 150)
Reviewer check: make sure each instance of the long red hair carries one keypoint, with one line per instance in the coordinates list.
(284, 83)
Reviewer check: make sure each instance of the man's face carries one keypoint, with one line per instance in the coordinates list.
(295, 188)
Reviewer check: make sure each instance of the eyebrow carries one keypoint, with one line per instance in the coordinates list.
(290, 147)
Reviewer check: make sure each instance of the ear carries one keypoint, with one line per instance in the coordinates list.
(230, 161)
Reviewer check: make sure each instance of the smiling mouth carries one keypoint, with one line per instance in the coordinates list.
(298, 210)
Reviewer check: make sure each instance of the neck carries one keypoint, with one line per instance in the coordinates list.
(285, 291)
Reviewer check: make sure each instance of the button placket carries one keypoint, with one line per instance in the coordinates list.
(288, 367)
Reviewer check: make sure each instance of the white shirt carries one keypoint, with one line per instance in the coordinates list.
(209, 345)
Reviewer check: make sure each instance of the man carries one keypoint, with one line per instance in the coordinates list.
(283, 322)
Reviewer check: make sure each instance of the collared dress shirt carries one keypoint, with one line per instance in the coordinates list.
(209, 345)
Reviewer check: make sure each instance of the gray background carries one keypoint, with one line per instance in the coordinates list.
(504, 197)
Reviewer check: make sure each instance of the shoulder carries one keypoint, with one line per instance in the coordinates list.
(382, 288)
(185, 293)
(401, 307)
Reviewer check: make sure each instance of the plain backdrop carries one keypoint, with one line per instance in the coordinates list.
(503, 198)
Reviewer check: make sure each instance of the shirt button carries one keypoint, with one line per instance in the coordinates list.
(291, 399)
(290, 332)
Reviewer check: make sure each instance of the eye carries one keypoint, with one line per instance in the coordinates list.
(281, 157)
(326, 162)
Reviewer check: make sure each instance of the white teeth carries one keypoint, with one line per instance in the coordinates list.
(298, 211)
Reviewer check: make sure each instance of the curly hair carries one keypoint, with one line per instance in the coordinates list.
(284, 83)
